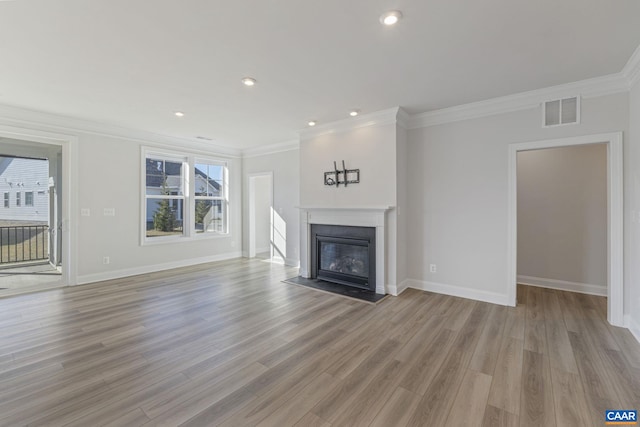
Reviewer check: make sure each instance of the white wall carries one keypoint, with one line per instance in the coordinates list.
(108, 168)
(110, 178)
(263, 213)
(371, 149)
(632, 207)
(458, 191)
(286, 192)
(562, 217)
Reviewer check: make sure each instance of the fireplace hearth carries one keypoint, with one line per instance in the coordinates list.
(344, 255)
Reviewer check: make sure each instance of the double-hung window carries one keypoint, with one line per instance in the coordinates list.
(165, 195)
(6, 200)
(19, 198)
(210, 201)
(28, 198)
(185, 196)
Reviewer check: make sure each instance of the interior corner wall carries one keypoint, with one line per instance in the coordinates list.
(459, 192)
(286, 192)
(402, 208)
(562, 217)
(632, 209)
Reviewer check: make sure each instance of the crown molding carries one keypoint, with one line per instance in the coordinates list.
(632, 69)
(403, 118)
(279, 147)
(598, 86)
(30, 118)
(377, 118)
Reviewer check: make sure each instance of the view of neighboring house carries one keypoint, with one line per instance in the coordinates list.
(24, 189)
(166, 178)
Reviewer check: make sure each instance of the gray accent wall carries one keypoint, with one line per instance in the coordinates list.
(562, 216)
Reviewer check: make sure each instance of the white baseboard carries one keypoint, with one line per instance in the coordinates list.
(457, 291)
(117, 274)
(396, 290)
(563, 285)
(261, 250)
(633, 326)
(292, 262)
(289, 262)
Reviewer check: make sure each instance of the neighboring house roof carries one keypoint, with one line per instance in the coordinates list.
(4, 163)
(155, 177)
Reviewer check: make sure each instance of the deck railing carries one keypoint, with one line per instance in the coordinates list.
(24, 243)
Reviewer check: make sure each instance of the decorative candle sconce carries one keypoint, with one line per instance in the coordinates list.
(341, 176)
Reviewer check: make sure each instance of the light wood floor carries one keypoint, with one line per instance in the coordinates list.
(228, 343)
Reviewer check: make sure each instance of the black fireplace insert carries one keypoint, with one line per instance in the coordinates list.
(344, 254)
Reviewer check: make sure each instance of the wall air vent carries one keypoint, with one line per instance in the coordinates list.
(561, 112)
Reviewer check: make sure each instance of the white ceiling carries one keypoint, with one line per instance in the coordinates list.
(134, 62)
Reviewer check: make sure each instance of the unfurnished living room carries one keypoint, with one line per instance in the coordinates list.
(329, 213)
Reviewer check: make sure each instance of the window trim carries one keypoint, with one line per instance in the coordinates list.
(224, 197)
(18, 199)
(26, 199)
(189, 159)
(7, 199)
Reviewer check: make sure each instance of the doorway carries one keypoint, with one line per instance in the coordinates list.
(51, 197)
(261, 216)
(614, 214)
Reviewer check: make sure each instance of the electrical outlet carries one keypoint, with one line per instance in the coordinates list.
(106, 260)
(432, 268)
(85, 212)
(109, 212)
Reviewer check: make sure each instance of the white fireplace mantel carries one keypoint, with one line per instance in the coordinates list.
(360, 216)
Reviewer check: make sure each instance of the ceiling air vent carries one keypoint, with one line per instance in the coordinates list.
(561, 112)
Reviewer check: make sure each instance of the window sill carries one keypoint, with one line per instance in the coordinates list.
(183, 239)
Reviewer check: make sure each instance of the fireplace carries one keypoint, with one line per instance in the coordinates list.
(344, 254)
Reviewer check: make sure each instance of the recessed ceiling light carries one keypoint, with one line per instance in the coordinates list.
(391, 17)
(312, 123)
(248, 81)
(354, 113)
(179, 114)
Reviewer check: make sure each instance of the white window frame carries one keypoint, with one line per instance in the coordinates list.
(224, 197)
(188, 227)
(7, 199)
(18, 199)
(26, 198)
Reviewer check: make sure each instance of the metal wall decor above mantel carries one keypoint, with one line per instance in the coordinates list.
(341, 176)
